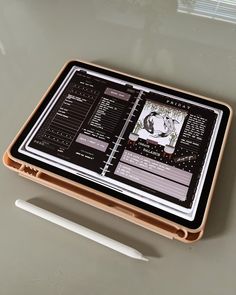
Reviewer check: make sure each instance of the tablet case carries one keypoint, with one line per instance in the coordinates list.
(106, 202)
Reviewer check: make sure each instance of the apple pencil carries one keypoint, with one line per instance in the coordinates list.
(79, 229)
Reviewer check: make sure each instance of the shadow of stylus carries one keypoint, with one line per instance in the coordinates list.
(108, 231)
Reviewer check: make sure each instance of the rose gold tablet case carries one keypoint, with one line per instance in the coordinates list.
(106, 202)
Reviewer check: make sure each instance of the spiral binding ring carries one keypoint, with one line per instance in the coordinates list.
(109, 164)
(111, 156)
(116, 143)
(106, 170)
(121, 138)
(111, 150)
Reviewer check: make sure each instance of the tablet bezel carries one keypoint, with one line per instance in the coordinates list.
(196, 223)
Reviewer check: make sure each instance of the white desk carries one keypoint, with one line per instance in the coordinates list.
(151, 39)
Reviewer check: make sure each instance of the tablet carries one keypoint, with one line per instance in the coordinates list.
(148, 145)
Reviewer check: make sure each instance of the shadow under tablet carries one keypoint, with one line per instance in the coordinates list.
(219, 215)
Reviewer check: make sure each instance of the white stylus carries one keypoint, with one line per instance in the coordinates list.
(79, 229)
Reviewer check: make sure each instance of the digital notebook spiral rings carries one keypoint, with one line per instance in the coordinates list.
(147, 145)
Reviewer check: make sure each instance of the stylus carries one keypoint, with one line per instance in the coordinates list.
(79, 229)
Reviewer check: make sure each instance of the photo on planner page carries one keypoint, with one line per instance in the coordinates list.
(166, 151)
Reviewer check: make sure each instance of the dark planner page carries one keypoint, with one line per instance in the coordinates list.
(164, 148)
(85, 121)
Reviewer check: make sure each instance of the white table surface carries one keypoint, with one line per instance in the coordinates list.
(150, 39)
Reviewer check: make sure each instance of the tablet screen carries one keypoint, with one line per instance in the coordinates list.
(150, 145)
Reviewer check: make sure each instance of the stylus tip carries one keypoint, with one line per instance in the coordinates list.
(144, 258)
